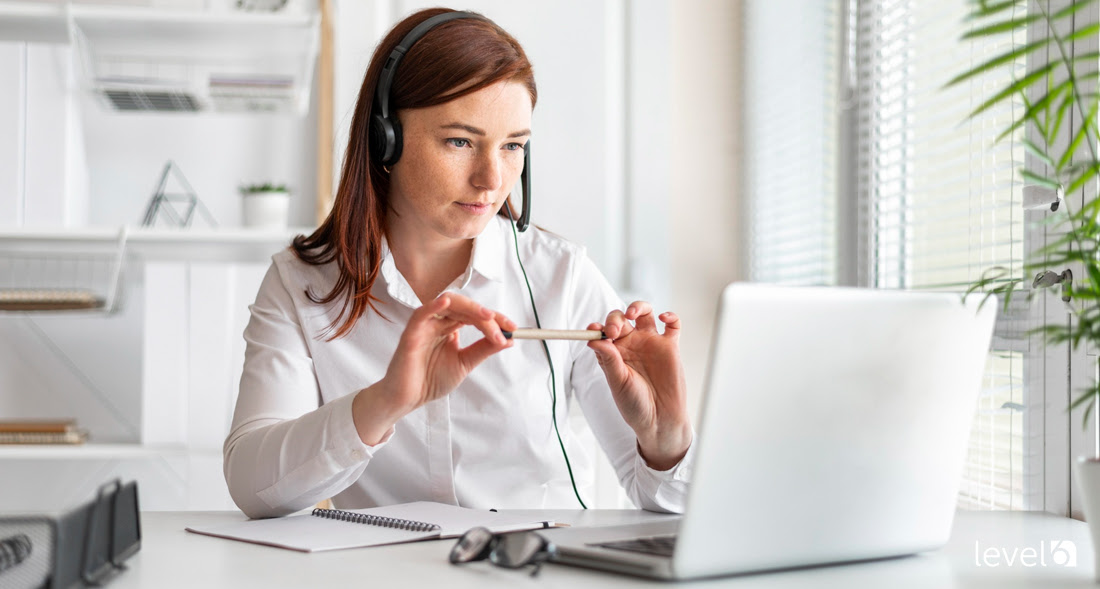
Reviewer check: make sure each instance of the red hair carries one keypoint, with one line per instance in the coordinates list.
(453, 59)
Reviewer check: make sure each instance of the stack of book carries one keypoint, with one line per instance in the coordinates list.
(41, 432)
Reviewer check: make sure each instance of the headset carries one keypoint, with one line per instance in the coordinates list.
(385, 146)
(385, 128)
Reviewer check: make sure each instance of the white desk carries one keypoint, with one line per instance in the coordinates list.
(171, 558)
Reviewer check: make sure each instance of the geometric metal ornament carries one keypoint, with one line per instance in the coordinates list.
(177, 208)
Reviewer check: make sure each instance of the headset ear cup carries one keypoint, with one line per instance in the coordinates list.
(397, 141)
(377, 138)
(385, 140)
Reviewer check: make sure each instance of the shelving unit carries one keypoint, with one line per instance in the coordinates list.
(153, 382)
(196, 245)
(91, 451)
(163, 407)
(147, 59)
(36, 23)
(52, 275)
(152, 59)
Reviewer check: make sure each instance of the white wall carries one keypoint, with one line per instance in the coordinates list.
(705, 202)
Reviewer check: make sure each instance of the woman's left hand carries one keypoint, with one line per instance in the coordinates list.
(646, 376)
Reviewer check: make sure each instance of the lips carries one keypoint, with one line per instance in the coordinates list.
(476, 207)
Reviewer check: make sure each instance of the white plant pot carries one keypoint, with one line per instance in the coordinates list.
(265, 210)
(1087, 473)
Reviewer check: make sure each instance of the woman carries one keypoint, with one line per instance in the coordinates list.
(376, 371)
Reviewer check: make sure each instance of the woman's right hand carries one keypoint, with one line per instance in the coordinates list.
(428, 363)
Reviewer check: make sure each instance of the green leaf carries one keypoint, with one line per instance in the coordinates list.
(1017, 86)
(1082, 132)
(1083, 33)
(1037, 152)
(1032, 110)
(1093, 272)
(985, 9)
(1083, 398)
(1040, 180)
(1072, 8)
(1002, 26)
(1062, 108)
(1012, 55)
(1088, 173)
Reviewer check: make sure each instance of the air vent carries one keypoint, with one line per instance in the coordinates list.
(152, 100)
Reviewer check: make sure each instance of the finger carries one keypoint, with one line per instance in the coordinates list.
(479, 351)
(616, 325)
(468, 312)
(610, 361)
(429, 321)
(504, 322)
(641, 313)
(672, 324)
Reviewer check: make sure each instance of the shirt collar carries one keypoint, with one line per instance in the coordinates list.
(489, 252)
(486, 258)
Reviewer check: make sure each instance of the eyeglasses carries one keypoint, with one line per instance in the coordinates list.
(511, 551)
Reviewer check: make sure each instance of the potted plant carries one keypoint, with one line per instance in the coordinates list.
(265, 206)
(1054, 92)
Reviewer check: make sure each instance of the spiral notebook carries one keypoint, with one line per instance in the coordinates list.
(334, 529)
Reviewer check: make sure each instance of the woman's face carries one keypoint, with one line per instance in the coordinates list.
(459, 162)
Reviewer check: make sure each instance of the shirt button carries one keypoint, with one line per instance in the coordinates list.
(356, 454)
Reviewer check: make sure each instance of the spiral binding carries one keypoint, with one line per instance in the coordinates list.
(376, 520)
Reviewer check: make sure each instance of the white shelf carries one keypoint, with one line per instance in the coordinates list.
(147, 59)
(200, 245)
(95, 451)
(34, 23)
(207, 35)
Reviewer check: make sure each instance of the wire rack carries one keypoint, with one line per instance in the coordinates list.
(61, 276)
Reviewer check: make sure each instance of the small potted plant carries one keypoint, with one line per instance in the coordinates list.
(1054, 92)
(265, 206)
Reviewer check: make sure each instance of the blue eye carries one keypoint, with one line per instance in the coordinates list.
(457, 142)
(514, 147)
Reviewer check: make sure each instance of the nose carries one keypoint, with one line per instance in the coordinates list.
(487, 172)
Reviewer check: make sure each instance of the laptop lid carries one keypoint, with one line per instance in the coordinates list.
(834, 426)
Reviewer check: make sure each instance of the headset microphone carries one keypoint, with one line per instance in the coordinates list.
(525, 184)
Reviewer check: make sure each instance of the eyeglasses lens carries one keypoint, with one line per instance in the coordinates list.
(475, 544)
(517, 550)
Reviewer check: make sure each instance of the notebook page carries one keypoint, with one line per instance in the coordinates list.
(308, 533)
(456, 520)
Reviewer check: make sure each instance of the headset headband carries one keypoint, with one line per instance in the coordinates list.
(389, 70)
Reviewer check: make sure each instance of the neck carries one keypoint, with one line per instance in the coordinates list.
(429, 265)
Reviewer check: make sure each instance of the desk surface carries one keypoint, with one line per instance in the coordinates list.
(171, 557)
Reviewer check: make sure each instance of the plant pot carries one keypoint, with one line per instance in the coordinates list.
(265, 210)
(1087, 473)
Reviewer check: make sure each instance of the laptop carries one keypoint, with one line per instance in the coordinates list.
(834, 428)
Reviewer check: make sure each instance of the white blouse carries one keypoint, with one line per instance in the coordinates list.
(488, 444)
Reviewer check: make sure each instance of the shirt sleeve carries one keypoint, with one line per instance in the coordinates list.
(285, 450)
(649, 489)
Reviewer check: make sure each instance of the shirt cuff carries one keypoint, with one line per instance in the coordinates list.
(681, 471)
(345, 432)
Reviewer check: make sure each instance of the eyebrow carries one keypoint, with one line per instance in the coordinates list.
(475, 131)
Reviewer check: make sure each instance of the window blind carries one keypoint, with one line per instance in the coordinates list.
(791, 139)
(938, 201)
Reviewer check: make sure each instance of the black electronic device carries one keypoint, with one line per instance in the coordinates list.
(78, 547)
(385, 137)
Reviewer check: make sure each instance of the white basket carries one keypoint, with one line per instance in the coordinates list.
(40, 275)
